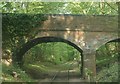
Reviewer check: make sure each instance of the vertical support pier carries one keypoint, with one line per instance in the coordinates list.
(89, 65)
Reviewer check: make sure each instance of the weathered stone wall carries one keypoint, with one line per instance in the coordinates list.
(85, 40)
(88, 32)
(80, 22)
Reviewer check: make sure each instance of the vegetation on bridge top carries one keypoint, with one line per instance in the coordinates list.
(85, 8)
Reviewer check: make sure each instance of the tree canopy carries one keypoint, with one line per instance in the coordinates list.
(87, 8)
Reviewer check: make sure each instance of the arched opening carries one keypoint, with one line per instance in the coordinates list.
(107, 58)
(51, 41)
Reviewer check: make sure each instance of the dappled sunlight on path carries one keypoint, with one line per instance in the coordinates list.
(46, 71)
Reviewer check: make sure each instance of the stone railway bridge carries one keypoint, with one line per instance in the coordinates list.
(85, 33)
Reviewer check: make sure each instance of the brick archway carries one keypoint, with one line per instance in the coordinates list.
(32, 43)
(85, 33)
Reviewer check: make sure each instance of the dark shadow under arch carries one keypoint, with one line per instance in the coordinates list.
(115, 40)
(19, 55)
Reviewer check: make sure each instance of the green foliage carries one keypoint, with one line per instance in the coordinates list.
(107, 62)
(93, 8)
(32, 7)
(55, 52)
(7, 74)
(87, 8)
(47, 70)
(19, 28)
(108, 74)
(107, 53)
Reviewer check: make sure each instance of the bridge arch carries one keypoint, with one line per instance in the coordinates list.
(108, 41)
(19, 55)
(113, 40)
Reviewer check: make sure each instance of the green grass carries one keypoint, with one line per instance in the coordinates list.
(7, 74)
(39, 69)
(47, 66)
(32, 72)
(108, 74)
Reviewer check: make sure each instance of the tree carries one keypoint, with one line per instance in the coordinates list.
(87, 8)
(18, 29)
